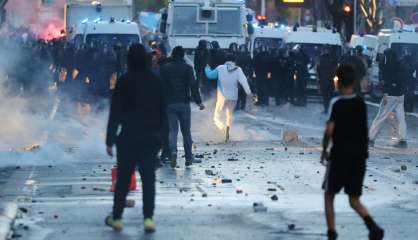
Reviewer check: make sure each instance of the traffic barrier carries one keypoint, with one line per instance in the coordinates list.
(132, 185)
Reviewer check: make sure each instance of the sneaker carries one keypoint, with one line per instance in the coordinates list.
(332, 235)
(376, 234)
(173, 160)
(227, 134)
(149, 225)
(401, 144)
(189, 162)
(116, 224)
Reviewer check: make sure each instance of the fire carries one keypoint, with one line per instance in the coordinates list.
(52, 30)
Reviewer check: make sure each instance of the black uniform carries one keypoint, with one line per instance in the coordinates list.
(244, 62)
(326, 72)
(261, 66)
(279, 76)
(408, 67)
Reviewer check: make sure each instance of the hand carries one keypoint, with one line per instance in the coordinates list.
(385, 100)
(324, 156)
(201, 107)
(109, 150)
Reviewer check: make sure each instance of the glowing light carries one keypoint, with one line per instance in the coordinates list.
(85, 21)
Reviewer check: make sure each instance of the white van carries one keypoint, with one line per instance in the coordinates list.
(110, 32)
(268, 36)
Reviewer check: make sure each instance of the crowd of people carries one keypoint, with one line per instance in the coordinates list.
(151, 96)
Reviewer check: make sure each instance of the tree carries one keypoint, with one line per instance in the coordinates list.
(371, 10)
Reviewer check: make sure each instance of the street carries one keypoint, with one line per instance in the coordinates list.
(62, 187)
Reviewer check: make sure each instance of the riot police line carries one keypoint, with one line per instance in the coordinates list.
(88, 72)
(284, 73)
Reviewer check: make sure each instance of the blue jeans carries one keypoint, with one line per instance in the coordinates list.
(180, 113)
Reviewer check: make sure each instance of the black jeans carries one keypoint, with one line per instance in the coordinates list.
(180, 113)
(143, 157)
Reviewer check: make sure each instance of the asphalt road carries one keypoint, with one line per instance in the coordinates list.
(65, 194)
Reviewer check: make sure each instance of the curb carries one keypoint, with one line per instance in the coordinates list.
(8, 213)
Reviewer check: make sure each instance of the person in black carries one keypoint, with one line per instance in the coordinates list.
(200, 61)
(408, 68)
(279, 75)
(326, 71)
(261, 63)
(180, 86)
(244, 62)
(347, 127)
(137, 111)
(300, 75)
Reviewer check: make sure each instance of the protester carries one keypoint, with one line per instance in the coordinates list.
(347, 127)
(393, 99)
(229, 75)
(138, 108)
(180, 86)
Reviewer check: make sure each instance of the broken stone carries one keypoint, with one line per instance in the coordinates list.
(232, 159)
(24, 210)
(130, 203)
(198, 156)
(259, 207)
(226, 180)
(271, 189)
(301, 153)
(26, 228)
(403, 168)
(274, 198)
(239, 191)
(209, 172)
(291, 227)
(290, 136)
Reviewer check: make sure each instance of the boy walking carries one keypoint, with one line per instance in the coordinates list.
(347, 127)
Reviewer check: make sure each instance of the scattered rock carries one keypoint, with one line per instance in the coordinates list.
(239, 191)
(301, 153)
(26, 228)
(271, 189)
(290, 136)
(56, 216)
(232, 159)
(274, 198)
(291, 227)
(23, 210)
(259, 207)
(226, 180)
(199, 156)
(404, 168)
(209, 172)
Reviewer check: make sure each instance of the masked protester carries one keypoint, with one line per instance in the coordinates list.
(393, 99)
(138, 108)
(326, 72)
(229, 76)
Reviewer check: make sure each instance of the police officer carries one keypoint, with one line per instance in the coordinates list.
(200, 61)
(279, 75)
(300, 75)
(261, 69)
(244, 62)
(326, 71)
(408, 72)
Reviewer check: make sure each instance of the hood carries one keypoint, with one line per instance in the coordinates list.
(231, 66)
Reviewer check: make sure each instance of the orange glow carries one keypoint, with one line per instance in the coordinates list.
(347, 8)
(52, 30)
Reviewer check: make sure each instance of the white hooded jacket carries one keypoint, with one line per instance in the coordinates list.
(229, 76)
